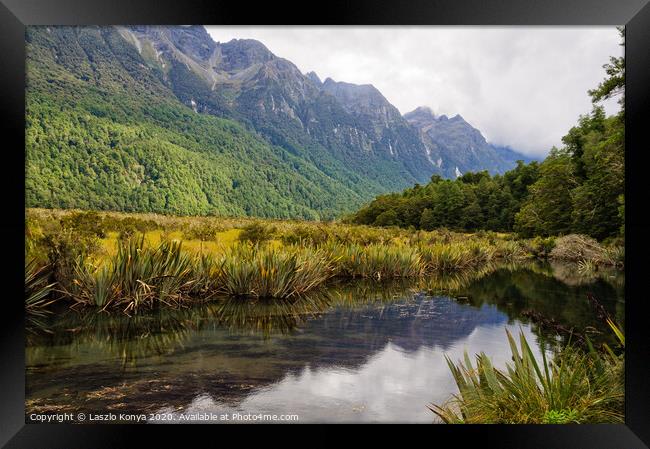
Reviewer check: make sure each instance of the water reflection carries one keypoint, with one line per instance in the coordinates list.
(391, 385)
(360, 351)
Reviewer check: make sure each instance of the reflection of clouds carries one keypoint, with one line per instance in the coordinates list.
(392, 385)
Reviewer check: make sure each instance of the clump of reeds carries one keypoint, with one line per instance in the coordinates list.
(375, 261)
(575, 387)
(136, 276)
(37, 288)
(263, 271)
(509, 250)
(445, 257)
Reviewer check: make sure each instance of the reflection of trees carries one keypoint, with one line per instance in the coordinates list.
(352, 294)
(543, 290)
(126, 338)
(266, 317)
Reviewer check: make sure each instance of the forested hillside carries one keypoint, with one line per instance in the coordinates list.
(104, 132)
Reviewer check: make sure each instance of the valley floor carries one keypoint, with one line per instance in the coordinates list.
(129, 261)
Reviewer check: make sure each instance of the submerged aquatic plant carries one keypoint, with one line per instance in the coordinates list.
(576, 386)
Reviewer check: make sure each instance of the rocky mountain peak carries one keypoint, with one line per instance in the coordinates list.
(360, 98)
(314, 77)
(193, 40)
(421, 112)
(239, 54)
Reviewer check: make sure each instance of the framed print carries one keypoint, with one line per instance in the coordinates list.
(375, 213)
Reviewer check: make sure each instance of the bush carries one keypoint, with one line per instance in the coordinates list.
(306, 235)
(203, 231)
(89, 223)
(257, 233)
(127, 227)
(541, 246)
(65, 250)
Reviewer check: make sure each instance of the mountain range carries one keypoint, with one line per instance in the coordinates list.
(165, 119)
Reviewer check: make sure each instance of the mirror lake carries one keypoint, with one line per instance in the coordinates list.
(359, 351)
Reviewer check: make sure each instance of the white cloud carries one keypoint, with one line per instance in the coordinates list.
(521, 86)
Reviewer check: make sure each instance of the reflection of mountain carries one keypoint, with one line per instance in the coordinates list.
(436, 322)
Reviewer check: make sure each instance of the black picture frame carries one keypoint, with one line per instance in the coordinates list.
(634, 14)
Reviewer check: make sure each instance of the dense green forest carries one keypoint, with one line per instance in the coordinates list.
(578, 188)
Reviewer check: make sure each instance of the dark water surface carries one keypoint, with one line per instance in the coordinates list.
(360, 352)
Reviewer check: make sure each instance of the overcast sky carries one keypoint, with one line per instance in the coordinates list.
(521, 86)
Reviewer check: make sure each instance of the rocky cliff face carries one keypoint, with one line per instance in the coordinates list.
(242, 79)
(355, 124)
(457, 147)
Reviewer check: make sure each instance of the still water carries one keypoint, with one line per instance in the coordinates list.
(359, 352)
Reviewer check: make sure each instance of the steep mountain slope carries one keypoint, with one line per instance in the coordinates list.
(353, 124)
(164, 119)
(391, 136)
(105, 131)
(457, 147)
(243, 80)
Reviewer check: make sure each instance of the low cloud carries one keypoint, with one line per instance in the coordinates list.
(524, 87)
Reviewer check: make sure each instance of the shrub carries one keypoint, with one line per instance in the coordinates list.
(541, 246)
(306, 235)
(202, 231)
(65, 250)
(90, 223)
(256, 233)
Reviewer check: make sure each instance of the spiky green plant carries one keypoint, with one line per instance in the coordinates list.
(37, 288)
(206, 276)
(262, 271)
(375, 261)
(509, 250)
(574, 387)
(586, 266)
(93, 285)
(136, 276)
(445, 257)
